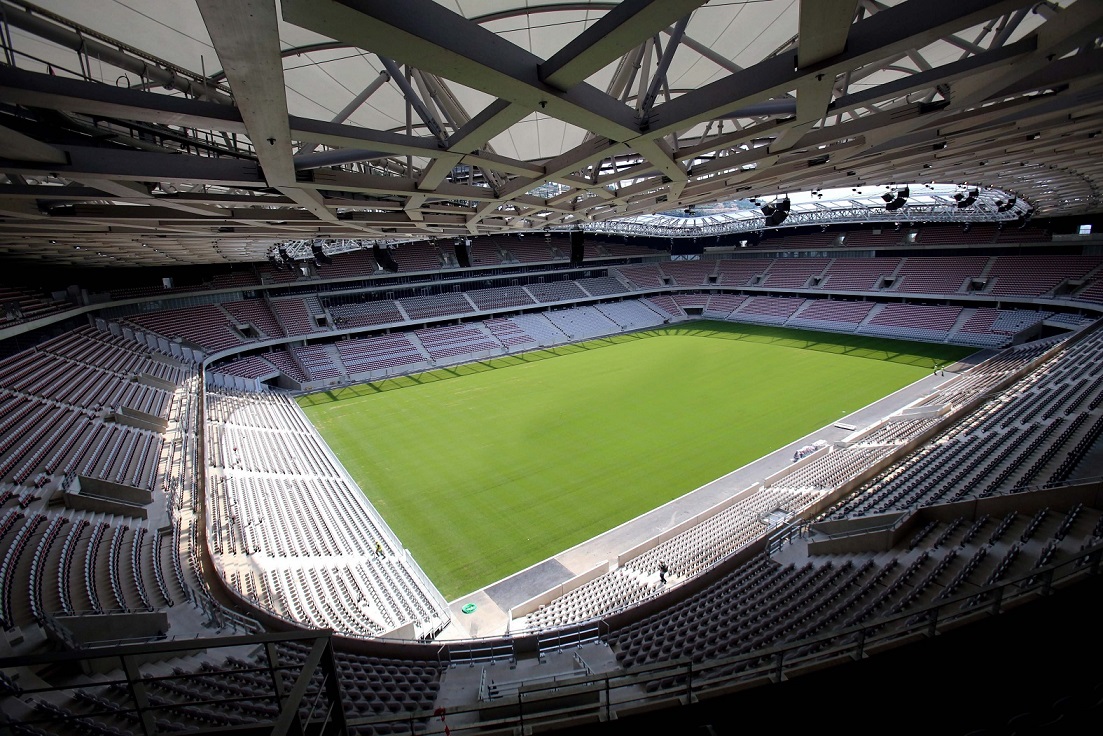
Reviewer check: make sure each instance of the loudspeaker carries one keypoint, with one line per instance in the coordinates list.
(463, 256)
(577, 248)
(384, 258)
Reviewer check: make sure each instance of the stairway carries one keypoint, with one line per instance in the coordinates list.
(965, 316)
(869, 317)
(335, 355)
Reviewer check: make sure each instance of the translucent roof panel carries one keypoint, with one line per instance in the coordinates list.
(396, 120)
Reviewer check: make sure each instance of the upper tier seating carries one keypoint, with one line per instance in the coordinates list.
(740, 271)
(206, 326)
(532, 250)
(417, 256)
(632, 251)
(923, 275)
(346, 265)
(438, 305)
(21, 305)
(297, 315)
(689, 273)
(484, 252)
(857, 274)
(873, 239)
(1032, 276)
(257, 313)
(365, 314)
(87, 403)
(954, 235)
(793, 273)
(272, 274)
(498, 298)
(75, 562)
(802, 240)
(555, 291)
(645, 276)
(235, 279)
(601, 286)
(1092, 291)
(1025, 233)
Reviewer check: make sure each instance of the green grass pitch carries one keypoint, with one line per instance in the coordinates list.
(484, 469)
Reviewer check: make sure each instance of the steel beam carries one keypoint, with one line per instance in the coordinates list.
(1064, 32)
(413, 99)
(351, 136)
(32, 89)
(132, 191)
(437, 171)
(943, 74)
(350, 108)
(16, 145)
(489, 122)
(824, 25)
(112, 163)
(245, 34)
(894, 30)
(427, 35)
(658, 79)
(612, 36)
(158, 71)
(335, 157)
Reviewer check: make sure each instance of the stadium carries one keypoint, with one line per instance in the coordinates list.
(503, 368)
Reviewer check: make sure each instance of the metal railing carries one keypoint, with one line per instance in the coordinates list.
(558, 701)
(304, 694)
(566, 700)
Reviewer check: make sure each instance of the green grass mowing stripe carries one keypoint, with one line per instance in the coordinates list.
(485, 469)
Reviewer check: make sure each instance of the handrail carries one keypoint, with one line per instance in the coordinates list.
(565, 699)
(691, 679)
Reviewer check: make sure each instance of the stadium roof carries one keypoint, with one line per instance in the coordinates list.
(204, 132)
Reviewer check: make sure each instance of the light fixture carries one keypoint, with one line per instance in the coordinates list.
(899, 200)
(967, 200)
(776, 212)
(320, 256)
